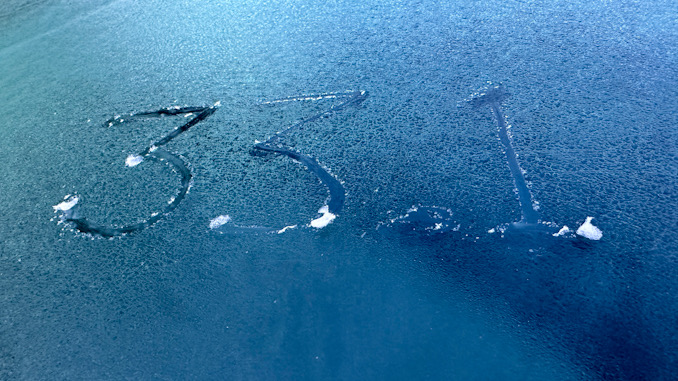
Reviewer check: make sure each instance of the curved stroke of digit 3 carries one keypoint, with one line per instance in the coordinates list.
(336, 190)
(69, 208)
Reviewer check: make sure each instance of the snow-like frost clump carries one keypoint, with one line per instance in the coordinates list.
(218, 221)
(564, 230)
(133, 160)
(325, 219)
(588, 230)
(68, 203)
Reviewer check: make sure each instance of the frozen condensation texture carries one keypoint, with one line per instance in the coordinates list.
(324, 220)
(588, 230)
(219, 220)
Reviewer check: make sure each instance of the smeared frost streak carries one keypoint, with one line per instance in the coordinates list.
(493, 97)
(337, 193)
(286, 228)
(311, 97)
(354, 98)
(335, 188)
(427, 220)
(223, 224)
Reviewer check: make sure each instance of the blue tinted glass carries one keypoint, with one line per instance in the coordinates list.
(338, 190)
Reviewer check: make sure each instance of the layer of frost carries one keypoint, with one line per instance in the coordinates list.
(588, 230)
(133, 160)
(564, 230)
(323, 220)
(68, 203)
(218, 221)
(286, 228)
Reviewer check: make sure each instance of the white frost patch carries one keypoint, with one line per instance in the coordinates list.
(218, 221)
(323, 220)
(588, 230)
(68, 203)
(133, 160)
(286, 228)
(564, 230)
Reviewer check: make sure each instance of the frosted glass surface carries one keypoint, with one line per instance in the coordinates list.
(431, 260)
